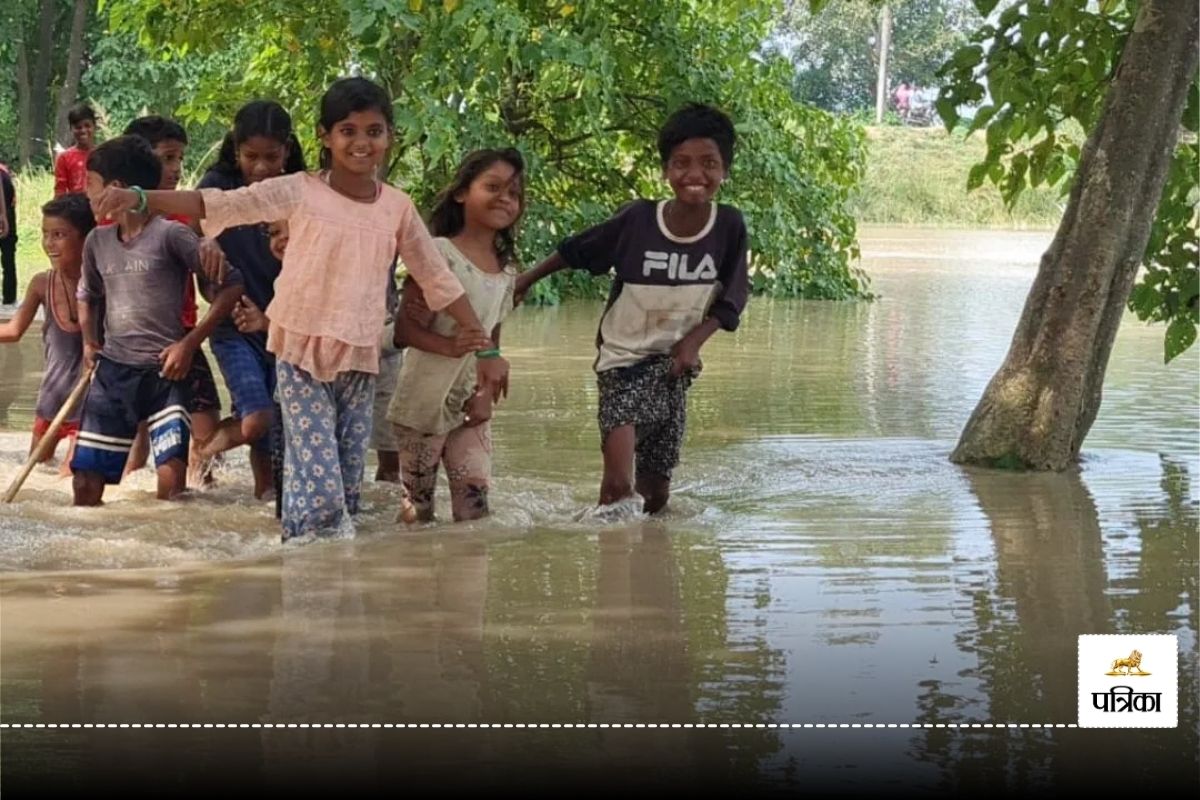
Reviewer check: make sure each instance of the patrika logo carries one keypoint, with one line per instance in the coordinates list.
(1128, 664)
(1140, 690)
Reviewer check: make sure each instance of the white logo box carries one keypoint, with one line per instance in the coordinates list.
(1129, 699)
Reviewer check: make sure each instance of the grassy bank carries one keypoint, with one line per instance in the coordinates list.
(915, 176)
(33, 189)
(918, 176)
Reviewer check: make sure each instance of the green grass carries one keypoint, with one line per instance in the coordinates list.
(34, 188)
(918, 176)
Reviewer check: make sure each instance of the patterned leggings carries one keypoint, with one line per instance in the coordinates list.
(467, 454)
(325, 427)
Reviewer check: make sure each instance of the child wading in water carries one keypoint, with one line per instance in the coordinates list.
(680, 274)
(261, 145)
(132, 278)
(345, 228)
(66, 222)
(169, 142)
(441, 414)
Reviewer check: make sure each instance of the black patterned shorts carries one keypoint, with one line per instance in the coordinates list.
(646, 396)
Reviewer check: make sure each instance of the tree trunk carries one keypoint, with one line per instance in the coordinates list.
(24, 127)
(885, 44)
(44, 49)
(1041, 404)
(70, 87)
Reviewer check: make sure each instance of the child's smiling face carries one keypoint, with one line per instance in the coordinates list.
(494, 197)
(62, 243)
(84, 133)
(357, 144)
(695, 171)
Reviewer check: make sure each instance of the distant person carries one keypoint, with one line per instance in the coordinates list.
(903, 99)
(8, 236)
(70, 168)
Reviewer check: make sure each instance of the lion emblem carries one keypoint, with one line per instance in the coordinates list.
(1134, 662)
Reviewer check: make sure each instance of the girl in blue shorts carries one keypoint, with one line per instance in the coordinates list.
(260, 145)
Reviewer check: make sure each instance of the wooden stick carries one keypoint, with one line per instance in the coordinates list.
(48, 438)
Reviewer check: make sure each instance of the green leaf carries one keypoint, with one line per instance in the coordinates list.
(984, 7)
(997, 132)
(982, 116)
(1144, 299)
(1016, 128)
(967, 57)
(479, 38)
(1010, 16)
(976, 175)
(947, 110)
(1181, 334)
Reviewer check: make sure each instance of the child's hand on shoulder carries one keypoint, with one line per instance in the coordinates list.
(176, 360)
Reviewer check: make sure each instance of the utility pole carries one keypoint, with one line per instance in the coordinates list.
(885, 42)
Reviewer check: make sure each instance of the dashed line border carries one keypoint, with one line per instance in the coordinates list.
(535, 725)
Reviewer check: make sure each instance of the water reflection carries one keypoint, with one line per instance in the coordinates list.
(824, 563)
(417, 629)
(1051, 586)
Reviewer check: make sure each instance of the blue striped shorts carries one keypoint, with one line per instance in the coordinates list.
(119, 398)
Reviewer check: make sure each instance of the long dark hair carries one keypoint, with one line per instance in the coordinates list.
(345, 96)
(447, 217)
(259, 118)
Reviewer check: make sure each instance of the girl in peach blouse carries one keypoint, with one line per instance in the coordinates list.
(345, 229)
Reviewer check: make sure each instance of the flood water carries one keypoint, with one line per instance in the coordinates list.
(822, 563)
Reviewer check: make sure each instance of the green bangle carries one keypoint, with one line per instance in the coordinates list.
(493, 352)
(143, 201)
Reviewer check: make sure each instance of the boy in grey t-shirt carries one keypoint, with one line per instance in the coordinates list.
(133, 277)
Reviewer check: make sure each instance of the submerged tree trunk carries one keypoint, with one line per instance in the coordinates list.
(70, 88)
(1041, 403)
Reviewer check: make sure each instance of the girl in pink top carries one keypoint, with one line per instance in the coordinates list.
(345, 228)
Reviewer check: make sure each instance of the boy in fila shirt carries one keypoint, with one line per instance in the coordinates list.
(680, 274)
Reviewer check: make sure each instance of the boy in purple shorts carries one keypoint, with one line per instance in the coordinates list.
(133, 277)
